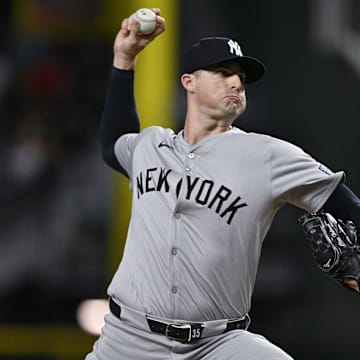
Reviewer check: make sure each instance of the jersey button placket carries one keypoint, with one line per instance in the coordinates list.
(190, 156)
(175, 270)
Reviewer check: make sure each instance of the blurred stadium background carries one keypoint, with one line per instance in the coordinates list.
(64, 213)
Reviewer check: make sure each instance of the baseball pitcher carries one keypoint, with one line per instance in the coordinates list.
(203, 200)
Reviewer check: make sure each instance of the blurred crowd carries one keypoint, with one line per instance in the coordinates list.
(54, 190)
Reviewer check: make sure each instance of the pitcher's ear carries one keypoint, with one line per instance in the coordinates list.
(187, 81)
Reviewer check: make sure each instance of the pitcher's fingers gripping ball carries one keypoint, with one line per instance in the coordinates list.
(147, 20)
(129, 41)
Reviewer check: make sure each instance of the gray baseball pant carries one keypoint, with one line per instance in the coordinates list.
(131, 338)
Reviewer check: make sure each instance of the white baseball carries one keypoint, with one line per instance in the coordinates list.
(147, 20)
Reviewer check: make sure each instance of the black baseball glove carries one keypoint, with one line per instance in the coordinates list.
(334, 246)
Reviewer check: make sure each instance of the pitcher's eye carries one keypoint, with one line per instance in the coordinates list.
(225, 72)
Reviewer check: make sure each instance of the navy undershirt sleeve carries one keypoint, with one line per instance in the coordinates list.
(344, 204)
(119, 115)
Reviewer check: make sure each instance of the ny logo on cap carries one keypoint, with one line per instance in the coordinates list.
(234, 47)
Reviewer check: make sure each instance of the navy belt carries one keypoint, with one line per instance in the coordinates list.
(183, 332)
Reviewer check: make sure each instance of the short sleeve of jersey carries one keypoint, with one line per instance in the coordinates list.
(149, 138)
(298, 179)
(123, 149)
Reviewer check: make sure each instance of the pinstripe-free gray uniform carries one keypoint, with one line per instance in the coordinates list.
(199, 212)
(199, 216)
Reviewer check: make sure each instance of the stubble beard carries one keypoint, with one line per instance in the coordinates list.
(233, 110)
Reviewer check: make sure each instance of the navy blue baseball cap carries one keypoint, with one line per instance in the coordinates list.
(215, 50)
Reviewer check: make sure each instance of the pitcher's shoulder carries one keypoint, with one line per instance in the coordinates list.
(153, 135)
(157, 131)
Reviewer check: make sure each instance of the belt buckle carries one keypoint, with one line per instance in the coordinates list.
(180, 327)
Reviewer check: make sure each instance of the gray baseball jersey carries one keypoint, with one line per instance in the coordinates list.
(200, 214)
